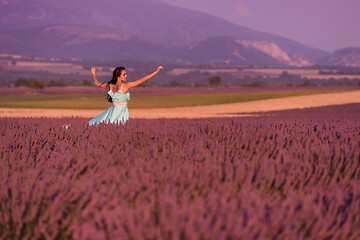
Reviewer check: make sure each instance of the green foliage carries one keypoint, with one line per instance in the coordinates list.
(286, 77)
(86, 82)
(22, 82)
(4, 84)
(254, 83)
(189, 78)
(214, 80)
(55, 83)
(28, 82)
(341, 70)
(176, 84)
(306, 83)
(36, 84)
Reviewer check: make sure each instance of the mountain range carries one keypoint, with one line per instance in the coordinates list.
(145, 30)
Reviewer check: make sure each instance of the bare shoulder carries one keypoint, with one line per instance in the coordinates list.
(109, 86)
(126, 86)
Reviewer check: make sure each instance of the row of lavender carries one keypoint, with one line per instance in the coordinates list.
(254, 178)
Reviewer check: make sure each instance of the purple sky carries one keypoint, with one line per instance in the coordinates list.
(324, 24)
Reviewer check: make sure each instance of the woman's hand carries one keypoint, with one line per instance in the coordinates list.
(96, 81)
(93, 70)
(159, 68)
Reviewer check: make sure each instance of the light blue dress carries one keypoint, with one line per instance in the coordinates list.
(118, 113)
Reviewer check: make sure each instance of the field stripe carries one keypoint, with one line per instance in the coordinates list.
(222, 110)
(97, 101)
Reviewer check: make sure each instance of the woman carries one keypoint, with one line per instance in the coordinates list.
(118, 95)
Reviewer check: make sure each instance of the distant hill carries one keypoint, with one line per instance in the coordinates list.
(138, 29)
(345, 57)
(69, 41)
(231, 50)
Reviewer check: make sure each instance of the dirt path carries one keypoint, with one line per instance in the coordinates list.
(221, 110)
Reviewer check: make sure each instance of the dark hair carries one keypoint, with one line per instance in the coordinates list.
(116, 73)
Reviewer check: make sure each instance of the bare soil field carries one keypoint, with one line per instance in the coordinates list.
(53, 67)
(221, 110)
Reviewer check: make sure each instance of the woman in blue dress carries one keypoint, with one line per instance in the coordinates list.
(118, 95)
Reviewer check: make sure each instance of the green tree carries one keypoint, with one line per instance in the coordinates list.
(214, 80)
(86, 82)
(36, 84)
(22, 82)
(176, 84)
(306, 83)
(55, 83)
(284, 75)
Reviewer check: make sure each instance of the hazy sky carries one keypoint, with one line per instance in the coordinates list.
(324, 24)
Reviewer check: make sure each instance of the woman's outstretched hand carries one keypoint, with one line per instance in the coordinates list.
(93, 70)
(159, 68)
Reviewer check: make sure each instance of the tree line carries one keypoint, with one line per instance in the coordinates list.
(39, 84)
(198, 80)
(214, 81)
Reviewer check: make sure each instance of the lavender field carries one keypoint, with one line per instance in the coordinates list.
(294, 175)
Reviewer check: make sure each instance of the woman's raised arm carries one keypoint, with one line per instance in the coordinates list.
(96, 81)
(144, 79)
